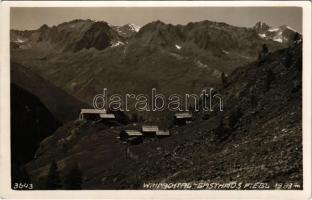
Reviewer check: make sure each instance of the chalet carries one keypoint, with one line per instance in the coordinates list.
(133, 136)
(107, 116)
(149, 130)
(162, 133)
(125, 134)
(183, 118)
(90, 113)
(95, 114)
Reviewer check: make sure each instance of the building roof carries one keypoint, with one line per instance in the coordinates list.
(183, 115)
(92, 111)
(133, 132)
(107, 116)
(162, 132)
(149, 128)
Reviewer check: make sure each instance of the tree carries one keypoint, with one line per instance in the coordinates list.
(269, 79)
(264, 52)
(298, 64)
(221, 132)
(134, 117)
(297, 38)
(234, 118)
(73, 180)
(205, 116)
(224, 79)
(53, 180)
(141, 119)
(288, 60)
(253, 100)
(265, 49)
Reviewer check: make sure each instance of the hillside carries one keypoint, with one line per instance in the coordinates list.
(31, 122)
(257, 138)
(63, 106)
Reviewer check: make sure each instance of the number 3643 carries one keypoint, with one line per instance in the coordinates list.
(23, 186)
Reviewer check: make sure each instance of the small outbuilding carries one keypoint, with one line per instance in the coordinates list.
(183, 118)
(95, 114)
(92, 114)
(149, 130)
(132, 136)
(107, 116)
(125, 134)
(162, 133)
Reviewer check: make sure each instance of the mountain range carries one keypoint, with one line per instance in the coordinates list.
(83, 56)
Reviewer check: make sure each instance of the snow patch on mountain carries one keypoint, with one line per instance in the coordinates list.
(216, 73)
(280, 40)
(178, 47)
(118, 43)
(134, 27)
(262, 35)
(273, 29)
(19, 40)
(225, 52)
(261, 24)
(291, 28)
(200, 64)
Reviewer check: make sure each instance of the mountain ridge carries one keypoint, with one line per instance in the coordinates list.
(91, 56)
(129, 30)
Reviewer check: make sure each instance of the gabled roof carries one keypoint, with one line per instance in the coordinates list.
(92, 111)
(162, 132)
(183, 115)
(149, 128)
(133, 132)
(107, 116)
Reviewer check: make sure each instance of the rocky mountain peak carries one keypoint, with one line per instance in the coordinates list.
(154, 25)
(127, 30)
(100, 36)
(282, 34)
(261, 27)
(44, 27)
(133, 27)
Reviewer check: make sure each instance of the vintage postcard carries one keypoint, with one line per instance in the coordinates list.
(155, 99)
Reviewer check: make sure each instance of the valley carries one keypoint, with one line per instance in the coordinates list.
(257, 137)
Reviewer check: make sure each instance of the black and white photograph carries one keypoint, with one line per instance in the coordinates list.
(157, 98)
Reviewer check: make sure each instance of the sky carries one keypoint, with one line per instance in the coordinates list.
(33, 18)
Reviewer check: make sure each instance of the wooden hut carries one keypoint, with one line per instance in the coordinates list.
(162, 133)
(95, 114)
(125, 134)
(132, 136)
(107, 116)
(91, 114)
(183, 118)
(149, 130)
